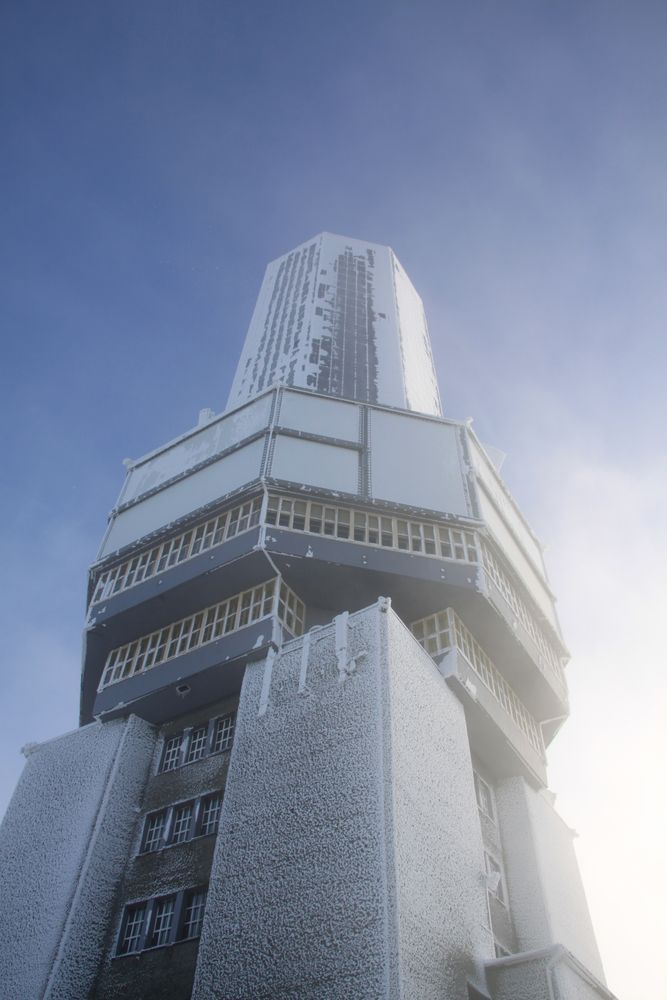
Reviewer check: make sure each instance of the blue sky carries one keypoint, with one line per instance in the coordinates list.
(157, 155)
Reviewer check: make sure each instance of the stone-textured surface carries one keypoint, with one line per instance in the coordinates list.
(546, 894)
(442, 909)
(298, 903)
(349, 861)
(63, 847)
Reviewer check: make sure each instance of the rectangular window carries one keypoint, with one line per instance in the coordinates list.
(163, 915)
(153, 831)
(172, 753)
(210, 815)
(193, 913)
(223, 733)
(180, 830)
(133, 926)
(197, 744)
(484, 795)
(494, 877)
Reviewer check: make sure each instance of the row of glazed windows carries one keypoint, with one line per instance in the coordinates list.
(176, 550)
(182, 822)
(372, 529)
(165, 920)
(192, 744)
(204, 627)
(385, 531)
(405, 535)
(520, 609)
(445, 630)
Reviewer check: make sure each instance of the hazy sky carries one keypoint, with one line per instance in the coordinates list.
(158, 154)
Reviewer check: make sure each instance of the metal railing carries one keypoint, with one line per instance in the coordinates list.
(205, 626)
(443, 631)
(176, 550)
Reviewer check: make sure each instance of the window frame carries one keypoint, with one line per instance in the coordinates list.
(483, 789)
(185, 737)
(194, 828)
(150, 910)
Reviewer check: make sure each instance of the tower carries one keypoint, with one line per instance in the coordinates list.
(321, 668)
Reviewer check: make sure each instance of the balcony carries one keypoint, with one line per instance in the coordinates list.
(176, 550)
(184, 658)
(460, 657)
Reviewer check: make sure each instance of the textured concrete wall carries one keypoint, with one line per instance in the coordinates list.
(547, 898)
(349, 859)
(442, 909)
(298, 904)
(63, 847)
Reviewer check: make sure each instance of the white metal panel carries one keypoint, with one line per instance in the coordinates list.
(505, 504)
(328, 417)
(197, 447)
(516, 558)
(316, 464)
(416, 462)
(420, 383)
(184, 496)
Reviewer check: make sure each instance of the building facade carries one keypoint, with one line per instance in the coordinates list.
(321, 669)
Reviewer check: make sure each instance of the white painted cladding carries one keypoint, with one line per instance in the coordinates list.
(196, 447)
(416, 462)
(318, 415)
(184, 496)
(316, 464)
(339, 316)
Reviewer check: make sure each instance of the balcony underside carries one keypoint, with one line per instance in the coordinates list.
(207, 674)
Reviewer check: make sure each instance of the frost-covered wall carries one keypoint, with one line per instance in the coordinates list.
(63, 848)
(546, 894)
(349, 860)
(441, 885)
(339, 316)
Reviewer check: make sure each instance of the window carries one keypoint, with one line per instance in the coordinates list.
(190, 745)
(193, 913)
(197, 744)
(180, 830)
(163, 915)
(181, 822)
(132, 928)
(223, 733)
(154, 923)
(153, 832)
(494, 877)
(210, 815)
(484, 795)
(172, 753)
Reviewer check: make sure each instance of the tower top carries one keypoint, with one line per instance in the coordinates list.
(341, 317)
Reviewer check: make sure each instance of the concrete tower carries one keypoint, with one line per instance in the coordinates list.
(321, 667)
